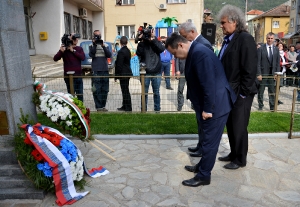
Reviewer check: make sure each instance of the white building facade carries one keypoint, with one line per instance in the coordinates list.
(48, 20)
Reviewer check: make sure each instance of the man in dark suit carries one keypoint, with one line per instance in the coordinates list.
(189, 31)
(268, 63)
(212, 98)
(239, 58)
(123, 69)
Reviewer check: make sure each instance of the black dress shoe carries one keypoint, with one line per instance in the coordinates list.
(193, 149)
(224, 159)
(195, 182)
(196, 154)
(232, 166)
(121, 109)
(193, 169)
(280, 102)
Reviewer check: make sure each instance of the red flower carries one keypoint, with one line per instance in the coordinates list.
(27, 141)
(56, 141)
(37, 155)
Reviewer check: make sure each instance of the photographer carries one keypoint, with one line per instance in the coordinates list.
(99, 52)
(148, 51)
(72, 56)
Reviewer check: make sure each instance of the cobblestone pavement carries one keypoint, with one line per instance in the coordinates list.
(149, 172)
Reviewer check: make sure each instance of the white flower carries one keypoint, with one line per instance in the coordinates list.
(54, 118)
(69, 123)
(54, 111)
(70, 116)
(49, 114)
(72, 164)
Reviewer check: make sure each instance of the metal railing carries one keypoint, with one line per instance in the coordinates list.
(168, 98)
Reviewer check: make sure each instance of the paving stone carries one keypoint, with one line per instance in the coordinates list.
(171, 202)
(264, 165)
(135, 203)
(140, 175)
(288, 195)
(150, 197)
(262, 156)
(128, 192)
(251, 193)
(294, 158)
(262, 178)
(280, 153)
(148, 167)
(162, 190)
(161, 178)
(149, 173)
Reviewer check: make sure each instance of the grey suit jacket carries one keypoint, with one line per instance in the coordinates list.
(263, 63)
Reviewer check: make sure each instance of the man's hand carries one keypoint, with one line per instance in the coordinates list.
(178, 74)
(259, 77)
(275, 77)
(62, 48)
(206, 116)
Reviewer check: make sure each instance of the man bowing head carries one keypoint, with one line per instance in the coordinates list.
(211, 96)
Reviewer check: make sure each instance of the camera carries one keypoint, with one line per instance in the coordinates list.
(67, 41)
(146, 31)
(98, 40)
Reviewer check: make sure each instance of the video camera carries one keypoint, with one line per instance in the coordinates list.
(146, 31)
(98, 40)
(67, 41)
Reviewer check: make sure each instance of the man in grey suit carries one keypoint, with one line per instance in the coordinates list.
(268, 63)
(189, 31)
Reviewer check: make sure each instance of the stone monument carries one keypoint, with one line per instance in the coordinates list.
(16, 83)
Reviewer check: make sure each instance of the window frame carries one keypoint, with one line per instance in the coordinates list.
(292, 22)
(274, 25)
(125, 2)
(84, 29)
(76, 25)
(179, 1)
(131, 32)
(67, 22)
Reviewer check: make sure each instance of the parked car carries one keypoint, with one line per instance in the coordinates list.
(86, 64)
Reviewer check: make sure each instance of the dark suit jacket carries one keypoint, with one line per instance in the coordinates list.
(122, 63)
(204, 41)
(240, 63)
(263, 63)
(207, 85)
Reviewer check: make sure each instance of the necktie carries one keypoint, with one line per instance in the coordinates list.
(270, 54)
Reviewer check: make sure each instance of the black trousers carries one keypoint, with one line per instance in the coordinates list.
(270, 83)
(126, 104)
(236, 125)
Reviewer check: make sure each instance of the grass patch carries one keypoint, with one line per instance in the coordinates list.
(175, 123)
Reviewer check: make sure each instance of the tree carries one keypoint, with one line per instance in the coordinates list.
(169, 20)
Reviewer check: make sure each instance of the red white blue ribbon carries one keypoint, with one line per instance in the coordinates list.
(62, 175)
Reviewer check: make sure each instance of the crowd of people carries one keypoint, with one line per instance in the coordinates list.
(220, 87)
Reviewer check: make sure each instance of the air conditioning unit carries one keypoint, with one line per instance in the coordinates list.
(163, 6)
(189, 20)
(83, 12)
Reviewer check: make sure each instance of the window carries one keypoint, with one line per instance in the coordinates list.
(292, 23)
(293, 5)
(124, 2)
(275, 24)
(126, 30)
(84, 29)
(67, 19)
(175, 1)
(76, 25)
(90, 30)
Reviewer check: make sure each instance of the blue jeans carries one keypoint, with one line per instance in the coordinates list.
(155, 82)
(165, 68)
(77, 85)
(102, 87)
(298, 97)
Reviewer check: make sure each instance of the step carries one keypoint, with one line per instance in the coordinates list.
(48, 71)
(22, 193)
(10, 170)
(46, 66)
(18, 181)
(8, 156)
